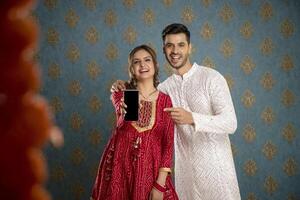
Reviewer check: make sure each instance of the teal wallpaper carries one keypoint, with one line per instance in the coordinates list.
(255, 44)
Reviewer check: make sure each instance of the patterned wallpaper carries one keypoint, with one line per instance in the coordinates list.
(255, 44)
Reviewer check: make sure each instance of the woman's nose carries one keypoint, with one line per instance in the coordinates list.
(142, 63)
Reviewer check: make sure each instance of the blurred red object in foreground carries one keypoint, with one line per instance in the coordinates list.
(25, 120)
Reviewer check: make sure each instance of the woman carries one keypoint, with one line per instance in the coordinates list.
(136, 164)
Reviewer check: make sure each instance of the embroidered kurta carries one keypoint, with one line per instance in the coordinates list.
(136, 152)
(204, 166)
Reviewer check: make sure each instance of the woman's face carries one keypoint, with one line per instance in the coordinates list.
(143, 65)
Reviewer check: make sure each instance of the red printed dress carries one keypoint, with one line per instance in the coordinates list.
(136, 152)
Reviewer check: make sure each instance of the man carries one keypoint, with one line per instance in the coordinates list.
(204, 115)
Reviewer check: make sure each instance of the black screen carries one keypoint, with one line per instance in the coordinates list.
(131, 99)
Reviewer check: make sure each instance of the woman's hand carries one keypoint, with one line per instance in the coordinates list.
(123, 107)
(156, 195)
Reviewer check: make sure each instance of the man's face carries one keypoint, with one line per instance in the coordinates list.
(177, 50)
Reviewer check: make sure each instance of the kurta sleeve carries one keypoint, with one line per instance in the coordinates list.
(167, 141)
(223, 120)
(116, 101)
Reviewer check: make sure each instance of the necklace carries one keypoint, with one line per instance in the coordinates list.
(151, 93)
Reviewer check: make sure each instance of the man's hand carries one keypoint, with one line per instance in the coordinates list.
(180, 115)
(117, 86)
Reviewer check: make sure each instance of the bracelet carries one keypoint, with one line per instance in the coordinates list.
(165, 169)
(159, 187)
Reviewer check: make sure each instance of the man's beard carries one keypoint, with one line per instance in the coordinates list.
(184, 61)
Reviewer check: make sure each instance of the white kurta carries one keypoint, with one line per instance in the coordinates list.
(204, 166)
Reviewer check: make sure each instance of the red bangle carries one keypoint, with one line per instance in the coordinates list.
(159, 187)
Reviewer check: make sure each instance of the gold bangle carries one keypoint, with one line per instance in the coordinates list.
(165, 169)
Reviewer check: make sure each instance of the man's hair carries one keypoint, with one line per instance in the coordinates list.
(175, 29)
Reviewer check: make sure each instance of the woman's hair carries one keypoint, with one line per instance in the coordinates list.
(132, 83)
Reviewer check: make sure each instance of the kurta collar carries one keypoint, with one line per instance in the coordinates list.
(187, 74)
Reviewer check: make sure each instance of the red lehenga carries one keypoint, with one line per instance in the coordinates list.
(136, 151)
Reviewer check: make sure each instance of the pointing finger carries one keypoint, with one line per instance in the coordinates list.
(169, 109)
